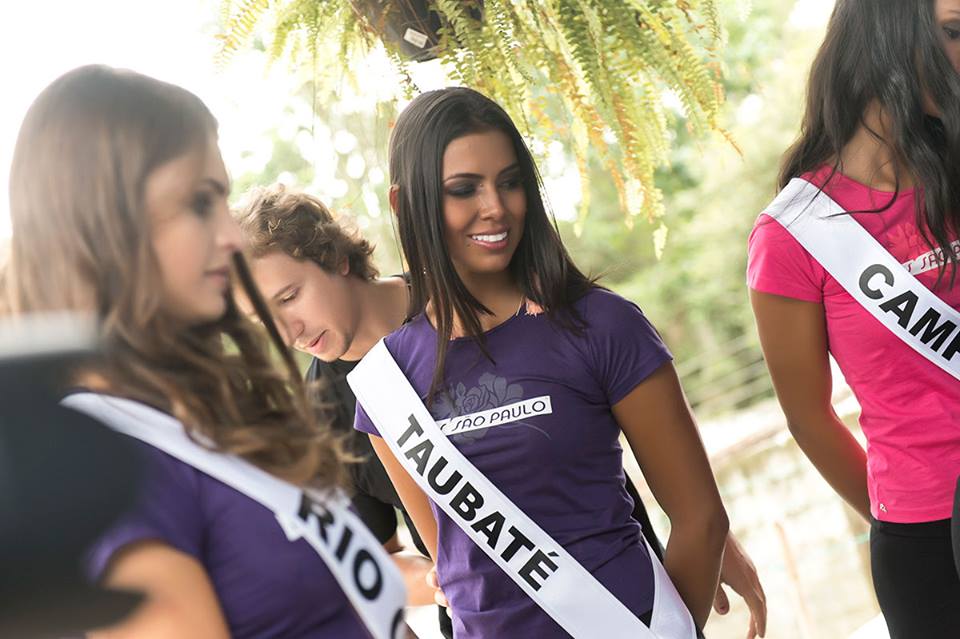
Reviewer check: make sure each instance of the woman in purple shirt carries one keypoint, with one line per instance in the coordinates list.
(503, 318)
(119, 208)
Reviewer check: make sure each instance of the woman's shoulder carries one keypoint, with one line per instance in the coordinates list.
(410, 336)
(600, 304)
(168, 508)
(620, 345)
(164, 477)
(857, 195)
(606, 318)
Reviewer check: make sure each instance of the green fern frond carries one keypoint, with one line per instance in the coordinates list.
(712, 13)
(505, 27)
(226, 10)
(239, 27)
(611, 63)
(286, 26)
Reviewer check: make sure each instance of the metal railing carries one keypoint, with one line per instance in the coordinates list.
(731, 376)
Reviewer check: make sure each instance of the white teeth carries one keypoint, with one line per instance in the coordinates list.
(499, 237)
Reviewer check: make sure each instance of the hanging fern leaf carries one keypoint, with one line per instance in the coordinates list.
(239, 26)
(611, 62)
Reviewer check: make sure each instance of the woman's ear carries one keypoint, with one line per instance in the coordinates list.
(393, 195)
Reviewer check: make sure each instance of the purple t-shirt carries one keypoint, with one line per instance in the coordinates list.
(267, 586)
(559, 460)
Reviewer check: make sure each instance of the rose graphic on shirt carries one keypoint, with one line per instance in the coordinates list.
(502, 392)
(904, 241)
(491, 392)
(471, 401)
(906, 244)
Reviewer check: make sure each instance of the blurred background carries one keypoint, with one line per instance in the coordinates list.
(319, 117)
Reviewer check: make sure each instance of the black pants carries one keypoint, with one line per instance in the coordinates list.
(956, 527)
(915, 578)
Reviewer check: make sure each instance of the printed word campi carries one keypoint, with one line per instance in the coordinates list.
(467, 501)
(497, 416)
(925, 323)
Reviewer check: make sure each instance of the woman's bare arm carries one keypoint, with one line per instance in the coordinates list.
(660, 429)
(411, 495)
(180, 600)
(793, 335)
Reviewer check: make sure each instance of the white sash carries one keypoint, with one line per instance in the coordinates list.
(907, 308)
(362, 568)
(542, 568)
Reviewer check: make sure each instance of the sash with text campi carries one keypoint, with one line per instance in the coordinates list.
(540, 566)
(882, 285)
(362, 568)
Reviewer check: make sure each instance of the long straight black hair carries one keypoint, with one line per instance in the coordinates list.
(889, 52)
(541, 265)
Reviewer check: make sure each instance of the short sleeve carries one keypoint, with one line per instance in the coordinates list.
(363, 423)
(167, 509)
(779, 265)
(624, 346)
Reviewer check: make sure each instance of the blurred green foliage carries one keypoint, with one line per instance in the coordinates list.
(694, 292)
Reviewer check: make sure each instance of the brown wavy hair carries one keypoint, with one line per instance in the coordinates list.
(274, 218)
(82, 242)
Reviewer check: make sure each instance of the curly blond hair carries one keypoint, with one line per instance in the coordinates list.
(274, 218)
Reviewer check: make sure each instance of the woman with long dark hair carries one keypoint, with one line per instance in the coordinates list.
(506, 327)
(119, 208)
(879, 151)
(323, 288)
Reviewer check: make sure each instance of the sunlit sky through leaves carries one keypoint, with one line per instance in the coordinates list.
(174, 41)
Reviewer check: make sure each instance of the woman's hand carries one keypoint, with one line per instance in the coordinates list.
(438, 597)
(416, 570)
(739, 573)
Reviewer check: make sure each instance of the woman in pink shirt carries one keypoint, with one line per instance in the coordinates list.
(881, 137)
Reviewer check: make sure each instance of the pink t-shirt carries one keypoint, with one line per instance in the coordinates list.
(910, 409)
